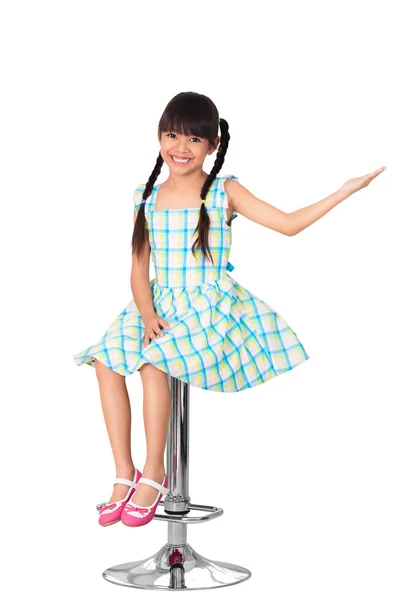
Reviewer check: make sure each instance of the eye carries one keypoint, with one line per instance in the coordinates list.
(193, 138)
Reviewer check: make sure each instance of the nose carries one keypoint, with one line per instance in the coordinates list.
(181, 145)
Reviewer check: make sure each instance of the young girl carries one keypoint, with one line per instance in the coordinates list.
(193, 320)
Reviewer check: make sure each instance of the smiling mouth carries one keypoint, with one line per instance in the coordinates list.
(180, 161)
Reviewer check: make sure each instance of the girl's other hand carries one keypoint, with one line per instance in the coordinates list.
(153, 325)
(357, 183)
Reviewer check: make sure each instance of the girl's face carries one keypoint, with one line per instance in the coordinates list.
(184, 153)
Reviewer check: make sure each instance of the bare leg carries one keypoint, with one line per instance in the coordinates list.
(117, 415)
(156, 413)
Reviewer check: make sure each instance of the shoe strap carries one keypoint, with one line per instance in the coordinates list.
(154, 484)
(125, 481)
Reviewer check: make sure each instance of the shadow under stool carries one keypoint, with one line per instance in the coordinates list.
(176, 565)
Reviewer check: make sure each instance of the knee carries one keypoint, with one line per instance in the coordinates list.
(147, 367)
(102, 371)
(99, 366)
(151, 370)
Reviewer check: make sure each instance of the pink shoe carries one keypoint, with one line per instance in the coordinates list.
(111, 513)
(134, 515)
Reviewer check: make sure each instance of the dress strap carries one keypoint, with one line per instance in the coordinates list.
(223, 197)
(222, 192)
(138, 199)
(137, 196)
(223, 204)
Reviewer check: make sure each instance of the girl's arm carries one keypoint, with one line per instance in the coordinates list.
(141, 291)
(140, 281)
(248, 205)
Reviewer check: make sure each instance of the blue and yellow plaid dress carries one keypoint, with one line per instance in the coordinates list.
(222, 337)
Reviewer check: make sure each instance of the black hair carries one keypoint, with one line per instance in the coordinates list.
(188, 113)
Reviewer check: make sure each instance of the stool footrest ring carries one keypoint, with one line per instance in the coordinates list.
(213, 511)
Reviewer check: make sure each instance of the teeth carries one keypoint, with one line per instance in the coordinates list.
(181, 160)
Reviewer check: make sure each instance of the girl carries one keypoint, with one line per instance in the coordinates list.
(193, 320)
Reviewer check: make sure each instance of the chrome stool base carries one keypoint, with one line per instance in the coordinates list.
(176, 568)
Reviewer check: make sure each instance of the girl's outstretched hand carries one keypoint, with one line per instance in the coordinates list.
(357, 183)
(152, 327)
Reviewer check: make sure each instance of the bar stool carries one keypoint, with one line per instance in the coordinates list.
(176, 565)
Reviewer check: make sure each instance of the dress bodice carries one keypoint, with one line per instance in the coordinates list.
(172, 233)
(220, 336)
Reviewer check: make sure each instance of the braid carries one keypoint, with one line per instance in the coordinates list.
(153, 177)
(203, 225)
(140, 224)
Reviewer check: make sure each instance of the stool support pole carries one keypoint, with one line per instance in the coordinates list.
(177, 501)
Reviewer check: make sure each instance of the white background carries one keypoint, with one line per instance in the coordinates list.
(306, 465)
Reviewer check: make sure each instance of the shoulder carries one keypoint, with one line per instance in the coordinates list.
(137, 199)
(228, 185)
(138, 194)
(228, 182)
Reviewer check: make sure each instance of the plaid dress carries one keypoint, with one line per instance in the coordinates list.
(222, 337)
